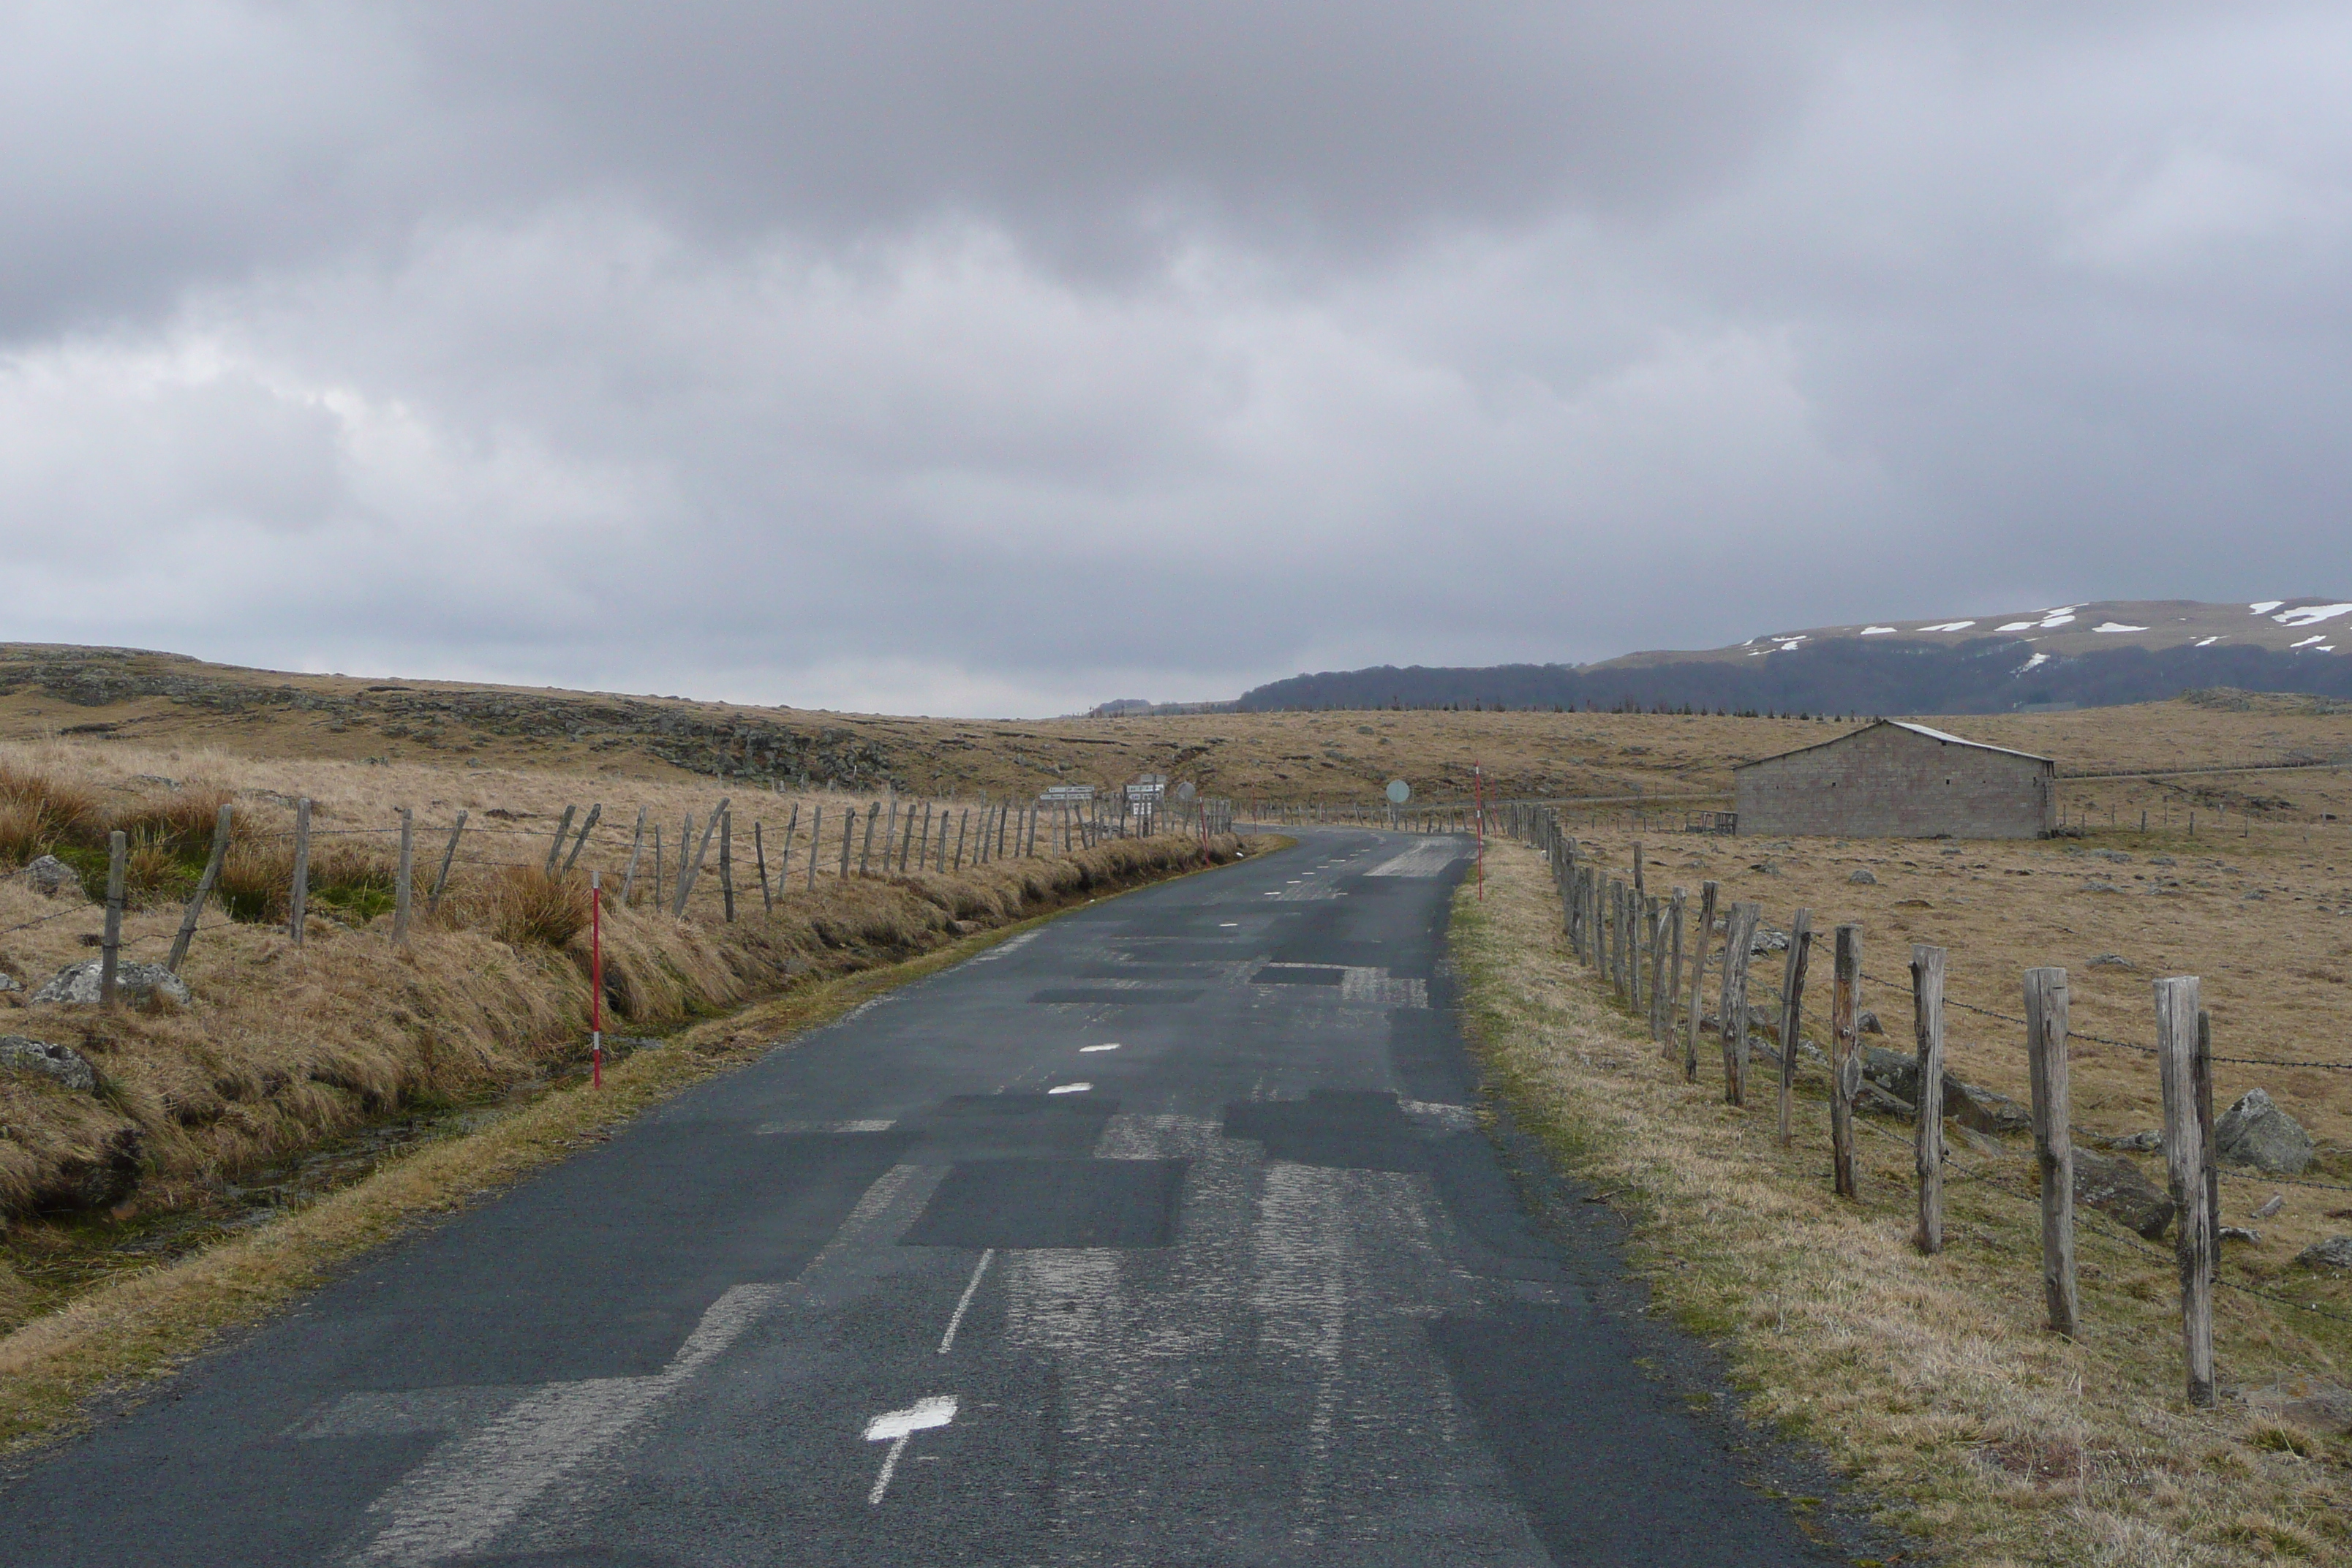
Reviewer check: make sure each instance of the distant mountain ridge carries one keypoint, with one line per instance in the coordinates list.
(2087, 655)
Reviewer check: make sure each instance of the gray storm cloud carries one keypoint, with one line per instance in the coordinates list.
(1001, 359)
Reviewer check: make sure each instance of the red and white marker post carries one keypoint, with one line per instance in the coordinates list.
(595, 979)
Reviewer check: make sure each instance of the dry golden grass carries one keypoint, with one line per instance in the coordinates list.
(1931, 1381)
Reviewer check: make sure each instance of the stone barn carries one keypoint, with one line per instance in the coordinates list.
(1891, 779)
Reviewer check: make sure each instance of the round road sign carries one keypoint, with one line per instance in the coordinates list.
(1399, 792)
(1185, 792)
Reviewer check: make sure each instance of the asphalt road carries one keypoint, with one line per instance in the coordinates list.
(1161, 1235)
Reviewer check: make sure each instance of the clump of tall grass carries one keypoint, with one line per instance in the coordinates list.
(521, 906)
(39, 811)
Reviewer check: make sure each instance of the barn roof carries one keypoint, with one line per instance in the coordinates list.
(1948, 739)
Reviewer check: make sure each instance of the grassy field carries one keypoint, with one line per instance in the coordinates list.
(158, 703)
(1932, 1381)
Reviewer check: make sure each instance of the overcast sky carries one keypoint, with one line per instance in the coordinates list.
(1001, 359)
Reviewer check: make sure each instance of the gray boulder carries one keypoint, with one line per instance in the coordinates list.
(2116, 1187)
(2258, 1134)
(2148, 1143)
(1866, 1022)
(10, 982)
(2336, 1252)
(136, 984)
(1863, 878)
(67, 1065)
(50, 875)
(1767, 940)
(1970, 1106)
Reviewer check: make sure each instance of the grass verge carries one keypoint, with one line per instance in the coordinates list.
(1929, 1381)
(114, 1339)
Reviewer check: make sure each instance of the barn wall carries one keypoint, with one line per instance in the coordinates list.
(1888, 782)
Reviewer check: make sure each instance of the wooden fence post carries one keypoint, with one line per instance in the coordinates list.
(848, 833)
(1706, 896)
(580, 841)
(689, 870)
(636, 847)
(562, 831)
(1792, 1017)
(1653, 921)
(1673, 992)
(2184, 1160)
(866, 848)
(890, 828)
(403, 884)
(727, 862)
(2053, 1144)
(2205, 1133)
(963, 831)
(298, 895)
(204, 890)
(816, 843)
(1739, 938)
(109, 951)
(661, 895)
(1845, 1058)
(1927, 1140)
(760, 864)
(785, 863)
(448, 858)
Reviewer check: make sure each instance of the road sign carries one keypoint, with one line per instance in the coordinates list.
(1399, 792)
(1060, 794)
(1185, 792)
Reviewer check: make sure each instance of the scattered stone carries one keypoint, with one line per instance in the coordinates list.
(63, 1063)
(2162, 860)
(1863, 878)
(2271, 1205)
(136, 984)
(1979, 1142)
(2116, 855)
(2115, 1188)
(2095, 886)
(2321, 1406)
(1870, 1097)
(2336, 1252)
(2112, 961)
(2256, 1133)
(1866, 1022)
(48, 876)
(1966, 1103)
(10, 982)
(2146, 1143)
(2239, 1233)
(1769, 941)
(1765, 869)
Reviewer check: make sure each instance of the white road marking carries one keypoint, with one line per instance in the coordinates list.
(1429, 859)
(1452, 1117)
(473, 1487)
(896, 1426)
(1229, 925)
(772, 1129)
(1069, 1089)
(1010, 944)
(963, 1302)
(1090, 1050)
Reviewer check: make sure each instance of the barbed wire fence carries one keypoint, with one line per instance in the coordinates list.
(1655, 953)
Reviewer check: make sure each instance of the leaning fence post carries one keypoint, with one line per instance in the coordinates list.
(298, 896)
(2184, 1160)
(816, 842)
(2053, 1144)
(760, 864)
(404, 882)
(873, 813)
(109, 952)
(448, 858)
(849, 832)
(1792, 1015)
(204, 890)
(1739, 938)
(1662, 1008)
(1706, 896)
(688, 873)
(1927, 1140)
(562, 831)
(784, 862)
(580, 841)
(1845, 1058)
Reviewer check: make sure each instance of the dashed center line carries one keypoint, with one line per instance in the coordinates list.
(963, 1302)
(897, 1426)
(1090, 1050)
(1069, 1089)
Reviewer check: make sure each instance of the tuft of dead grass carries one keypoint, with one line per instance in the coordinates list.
(1931, 1381)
